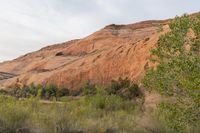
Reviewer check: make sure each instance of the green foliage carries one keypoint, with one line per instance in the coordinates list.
(89, 88)
(171, 44)
(178, 74)
(134, 91)
(62, 92)
(13, 119)
(180, 117)
(47, 92)
(98, 113)
(102, 101)
(3, 92)
(91, 110)
(50, 91)
(125, 89)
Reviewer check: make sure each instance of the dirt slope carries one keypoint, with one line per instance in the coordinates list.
(114, 51)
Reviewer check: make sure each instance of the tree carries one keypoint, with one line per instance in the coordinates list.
(51, 91)
(178, 73)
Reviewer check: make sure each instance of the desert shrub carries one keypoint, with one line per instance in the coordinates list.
(47, 92)
(115, 86)
(118, 85)
(30, 116)
(50, 91)
(124, 88)
(3, 92)
(14, 116)
(105, 101)
(95, 113)
(34, 89)
(88, 88)
(62, 92)
(17, 92)
(133, 91)
(76, 92)
(24, 91)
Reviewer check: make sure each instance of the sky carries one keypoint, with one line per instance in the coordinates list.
(28, 25)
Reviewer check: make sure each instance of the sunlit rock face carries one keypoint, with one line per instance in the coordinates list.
(114, 51)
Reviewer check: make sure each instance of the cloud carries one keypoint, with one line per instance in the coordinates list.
(28, 25)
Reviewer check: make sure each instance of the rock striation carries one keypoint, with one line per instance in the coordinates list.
(112, 52)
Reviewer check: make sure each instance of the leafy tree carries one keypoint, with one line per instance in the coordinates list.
(178, 72)
(51, 91)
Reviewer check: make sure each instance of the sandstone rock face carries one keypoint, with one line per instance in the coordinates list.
(114, 51)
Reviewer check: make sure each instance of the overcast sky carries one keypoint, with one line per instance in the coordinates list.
(28, 25)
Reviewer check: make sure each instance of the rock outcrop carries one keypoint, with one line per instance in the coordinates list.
(114, 51)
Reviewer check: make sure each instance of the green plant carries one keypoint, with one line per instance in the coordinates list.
(50, 91)
(3, 92)
(13, 117)
(89, 88)
(124, 88)
(62, 92)
(177, 74)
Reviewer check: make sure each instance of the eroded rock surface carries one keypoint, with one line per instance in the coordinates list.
(114, 51)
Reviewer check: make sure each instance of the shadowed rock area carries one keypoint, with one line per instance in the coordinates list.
(4, 75)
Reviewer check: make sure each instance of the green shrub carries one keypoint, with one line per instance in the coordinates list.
(62, 92)
(14, 116)
(3, 92)
(89, 88)
(115, 86)
(50, 91)
(179, 117)
(125, 89)
(95, 113)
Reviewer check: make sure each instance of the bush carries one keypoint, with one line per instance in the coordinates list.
(98, 113)
(14, 116)
(3, 92)
(135, 90)
(179, 117)
(89, 88)
(47, 92)
(50, 91)
(125, 89)
(62, 92)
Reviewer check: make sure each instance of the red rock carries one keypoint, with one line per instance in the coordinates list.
(113, 52)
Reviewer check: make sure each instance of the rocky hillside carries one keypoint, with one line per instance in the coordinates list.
(114, 51)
